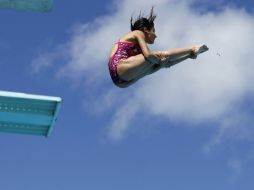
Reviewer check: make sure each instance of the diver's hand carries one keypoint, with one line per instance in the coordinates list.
(153, 58)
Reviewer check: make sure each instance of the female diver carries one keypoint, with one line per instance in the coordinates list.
(131, 59)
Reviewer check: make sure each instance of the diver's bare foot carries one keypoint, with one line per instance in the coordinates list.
(199, 49)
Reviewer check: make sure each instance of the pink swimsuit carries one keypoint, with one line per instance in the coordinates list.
(124, 50)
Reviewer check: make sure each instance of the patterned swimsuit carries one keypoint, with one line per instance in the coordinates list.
(124, 50)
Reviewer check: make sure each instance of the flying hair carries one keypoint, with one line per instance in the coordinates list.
(141, 21)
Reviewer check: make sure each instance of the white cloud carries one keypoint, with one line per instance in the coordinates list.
(122, 119)
(209, 88)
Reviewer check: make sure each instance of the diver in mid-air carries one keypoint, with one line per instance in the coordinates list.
(131, 59)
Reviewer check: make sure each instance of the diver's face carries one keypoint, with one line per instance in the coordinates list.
(150, 35)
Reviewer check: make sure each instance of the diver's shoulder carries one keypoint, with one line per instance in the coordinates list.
(137, 32)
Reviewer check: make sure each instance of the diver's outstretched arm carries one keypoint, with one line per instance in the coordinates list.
(175, 54)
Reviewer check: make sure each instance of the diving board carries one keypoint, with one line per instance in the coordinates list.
(27, 113)
(27, 5)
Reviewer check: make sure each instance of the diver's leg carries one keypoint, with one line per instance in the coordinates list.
(136, 67)
(168, 63)
(148, 71)
(133, 67)
(156, 67)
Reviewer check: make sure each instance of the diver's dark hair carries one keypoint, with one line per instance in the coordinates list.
(141, 22)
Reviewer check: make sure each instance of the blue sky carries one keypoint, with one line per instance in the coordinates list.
(189, 127)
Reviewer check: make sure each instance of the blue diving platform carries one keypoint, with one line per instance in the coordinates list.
(27, 113)
(27, 5)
